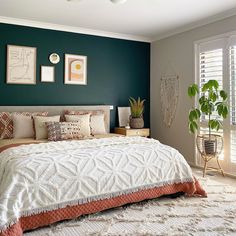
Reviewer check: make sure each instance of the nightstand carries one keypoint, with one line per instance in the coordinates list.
(145, 132)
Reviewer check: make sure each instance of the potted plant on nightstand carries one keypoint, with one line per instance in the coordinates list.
(137, 109)
(211, 100)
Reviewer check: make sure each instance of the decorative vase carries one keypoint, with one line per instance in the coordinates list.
(136, 123)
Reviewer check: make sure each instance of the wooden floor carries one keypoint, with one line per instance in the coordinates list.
(218, 177)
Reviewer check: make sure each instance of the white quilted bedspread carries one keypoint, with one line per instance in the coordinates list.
(40, 177)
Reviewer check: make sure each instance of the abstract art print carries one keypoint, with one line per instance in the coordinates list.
(124, 116)
(75, 69)
(21, 65)
(47, 74)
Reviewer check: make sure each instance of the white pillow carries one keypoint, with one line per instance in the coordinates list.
(83, 121)
(97, 124)
(22, 126)
(40, 126)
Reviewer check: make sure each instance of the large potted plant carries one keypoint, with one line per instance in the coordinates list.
(212, 101)
(137, 109)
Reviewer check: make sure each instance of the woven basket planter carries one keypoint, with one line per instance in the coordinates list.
(212, 145)
(136, 123)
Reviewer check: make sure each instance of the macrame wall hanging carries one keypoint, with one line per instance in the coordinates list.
(169, 97)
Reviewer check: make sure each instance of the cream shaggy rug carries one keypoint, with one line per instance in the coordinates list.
(212, 216)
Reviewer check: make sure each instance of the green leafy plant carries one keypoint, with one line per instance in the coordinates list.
(137, 107)
(211, 99)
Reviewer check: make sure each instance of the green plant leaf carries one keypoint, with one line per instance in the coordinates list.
(195, 125)
(213, 96)
(218, 126)
(190, 94)
(223, 94)
(220, 109)
(205, 87)
(137, 107)
(225, 112)
(215, 84)
(202, 99)
(198, 113)
(191, 128)
(193, 90)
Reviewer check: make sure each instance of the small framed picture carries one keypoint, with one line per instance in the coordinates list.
(124, 115)
(21, 64)
(47, 74)
(75, 69)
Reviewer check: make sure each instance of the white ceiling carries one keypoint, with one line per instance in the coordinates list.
(141, 19)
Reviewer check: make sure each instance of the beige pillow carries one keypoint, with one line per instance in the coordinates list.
(83, 121)
(22, 126)
(97, 124)
(40, 126)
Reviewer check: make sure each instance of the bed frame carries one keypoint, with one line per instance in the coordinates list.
(59, 110)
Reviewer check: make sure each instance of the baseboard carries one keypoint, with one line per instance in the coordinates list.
(201, 168)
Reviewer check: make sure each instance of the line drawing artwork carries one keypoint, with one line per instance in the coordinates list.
(21, 65)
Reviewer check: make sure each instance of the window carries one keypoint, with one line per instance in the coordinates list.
(232, 76)
(216, 59)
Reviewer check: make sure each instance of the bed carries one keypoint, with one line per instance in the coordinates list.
(45, 182)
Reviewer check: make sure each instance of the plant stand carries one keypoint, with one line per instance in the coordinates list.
(215, 139)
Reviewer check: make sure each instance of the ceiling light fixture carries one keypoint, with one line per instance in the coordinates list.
(118, 1)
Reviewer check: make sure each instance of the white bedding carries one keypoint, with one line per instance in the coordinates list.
(46, 176)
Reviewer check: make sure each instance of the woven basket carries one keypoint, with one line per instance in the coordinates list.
(136, 123)
(212, 145)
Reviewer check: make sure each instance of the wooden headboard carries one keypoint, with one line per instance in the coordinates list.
(59, 110)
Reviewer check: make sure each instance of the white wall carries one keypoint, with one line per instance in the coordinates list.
(177, 53)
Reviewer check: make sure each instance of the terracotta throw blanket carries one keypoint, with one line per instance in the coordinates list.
(47, 182)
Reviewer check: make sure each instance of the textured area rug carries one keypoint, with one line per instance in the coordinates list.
(212, 216)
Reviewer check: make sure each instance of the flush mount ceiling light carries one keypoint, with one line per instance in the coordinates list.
(118, 1)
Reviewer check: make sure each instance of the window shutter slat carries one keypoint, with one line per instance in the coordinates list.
(211, 67)
(232, 69)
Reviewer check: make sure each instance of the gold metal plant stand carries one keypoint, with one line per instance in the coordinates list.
(214, 154)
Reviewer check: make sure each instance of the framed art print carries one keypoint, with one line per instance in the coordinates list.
(54, 58)
(75, 69)
(124, 115)
(21, 64)
(47, 74)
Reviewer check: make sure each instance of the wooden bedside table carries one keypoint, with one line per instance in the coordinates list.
(145, 132)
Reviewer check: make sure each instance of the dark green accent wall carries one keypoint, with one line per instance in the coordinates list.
(116, 70)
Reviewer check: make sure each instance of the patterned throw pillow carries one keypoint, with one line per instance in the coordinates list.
(6, 127)
(84, 121)
(63, 131)
(93, 119)
(6, 122)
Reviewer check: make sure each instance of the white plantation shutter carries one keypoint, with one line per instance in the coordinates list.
(211, 67)
(232, 72)
(216, 59)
